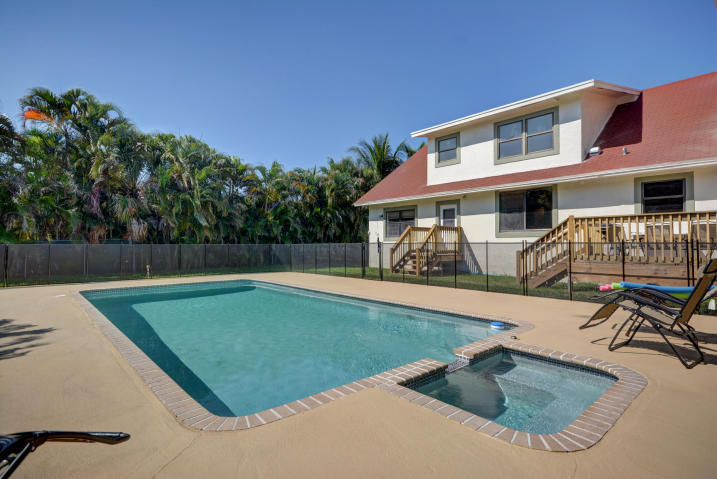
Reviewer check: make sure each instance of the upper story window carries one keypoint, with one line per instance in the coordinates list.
(529, 136)
(663, 196)
(447, 150)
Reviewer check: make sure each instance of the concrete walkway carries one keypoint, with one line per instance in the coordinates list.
(58, 371)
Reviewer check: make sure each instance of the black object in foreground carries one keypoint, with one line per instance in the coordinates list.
(14, 448)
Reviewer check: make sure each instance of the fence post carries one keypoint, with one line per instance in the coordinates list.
(380, 260)
(486, 265)
(303, 257)
(5, 253)
(570, 269)
(344, 260)
(120, 258)
(523, 274)
(363, 260)
(687, 263)
(455, 264)
(329, 258)
(49, 250)
(623, 259)
(316, 259)
(179, 261)
(428, 269)
(695, 265)
(87, 265)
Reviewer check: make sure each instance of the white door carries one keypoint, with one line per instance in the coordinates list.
(448, 215)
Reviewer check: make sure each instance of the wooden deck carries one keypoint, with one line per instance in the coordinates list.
(669, 247)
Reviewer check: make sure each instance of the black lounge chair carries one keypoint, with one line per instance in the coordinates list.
(653, 306)
(14, 448)
(658, 296)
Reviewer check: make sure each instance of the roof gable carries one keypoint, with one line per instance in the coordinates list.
(671, 123)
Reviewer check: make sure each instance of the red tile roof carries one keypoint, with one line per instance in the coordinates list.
(670, 123)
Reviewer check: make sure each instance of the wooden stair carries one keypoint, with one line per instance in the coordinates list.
(421, 250)
(549, 275)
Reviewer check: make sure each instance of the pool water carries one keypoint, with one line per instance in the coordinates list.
(520, 391)
(241, 347)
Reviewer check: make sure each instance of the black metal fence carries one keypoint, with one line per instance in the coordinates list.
(484, 266)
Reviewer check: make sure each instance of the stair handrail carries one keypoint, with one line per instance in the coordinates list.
(422, 246)
(403, 244)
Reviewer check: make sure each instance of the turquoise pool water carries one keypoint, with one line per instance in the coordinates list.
(520, 391)
(241, 347)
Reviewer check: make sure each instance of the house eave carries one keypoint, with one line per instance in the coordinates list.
(551, 181)
(493, 112)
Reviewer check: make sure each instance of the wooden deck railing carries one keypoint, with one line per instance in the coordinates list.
(425, 242)
(645, 238)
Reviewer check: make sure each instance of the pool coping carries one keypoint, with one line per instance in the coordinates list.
(582, 433)
(601, 417)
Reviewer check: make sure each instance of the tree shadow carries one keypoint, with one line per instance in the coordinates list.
(18, 339)
(121, 312)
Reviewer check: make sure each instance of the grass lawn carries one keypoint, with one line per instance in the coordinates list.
(478, 282)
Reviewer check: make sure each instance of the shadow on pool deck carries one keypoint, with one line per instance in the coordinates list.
(138, 330)
(18, 339)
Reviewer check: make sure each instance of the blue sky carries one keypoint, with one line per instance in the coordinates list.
(298, 82)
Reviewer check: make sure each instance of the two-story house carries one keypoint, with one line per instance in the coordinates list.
(520, 171)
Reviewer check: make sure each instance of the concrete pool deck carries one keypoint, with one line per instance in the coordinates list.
(59, 371)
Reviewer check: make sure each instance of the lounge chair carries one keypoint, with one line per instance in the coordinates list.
(652, 306)
(658, 294)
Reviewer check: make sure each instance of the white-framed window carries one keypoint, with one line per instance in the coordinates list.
(449, 215)
(667, 196)
(525, 210)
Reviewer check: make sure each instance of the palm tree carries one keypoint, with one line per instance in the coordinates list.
(378, 156)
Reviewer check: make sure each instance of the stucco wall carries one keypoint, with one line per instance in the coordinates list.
(597, 197)
(596, 111)
(706, 189)
(477, 155)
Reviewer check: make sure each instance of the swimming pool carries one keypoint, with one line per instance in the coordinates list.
(238, 347)
(520, 391)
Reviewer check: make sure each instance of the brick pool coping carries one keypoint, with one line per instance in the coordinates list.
(585, 431)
